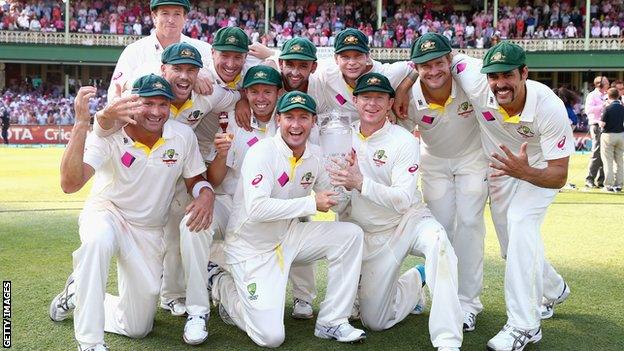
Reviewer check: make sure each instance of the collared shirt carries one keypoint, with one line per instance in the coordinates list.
(198, 106)
(337, 94)
(448, 131)
(144, 56)
(138, 180)
(543, 122)
(389, 162)
(613, 117)
(274, 190)
(594, 106)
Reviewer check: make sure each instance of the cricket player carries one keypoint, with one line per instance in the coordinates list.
(526, 134)
(265, 236)
(453, 163)
(262, 85)
(386, 203)
(136, 170)
(352, 60)
(145, 54)
(180, 66)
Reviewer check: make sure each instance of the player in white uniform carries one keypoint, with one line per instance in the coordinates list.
(352, 60)
(181, 63)
(144, 55)
(526, 134)
(265, 236)
(136, 170)
(386, 203)
(453, 163)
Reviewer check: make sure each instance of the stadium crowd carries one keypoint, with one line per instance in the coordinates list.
(319, 21)
(43, 106)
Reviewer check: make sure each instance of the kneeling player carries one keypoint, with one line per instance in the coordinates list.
(136, 170)
(265, 236)
(386, 203)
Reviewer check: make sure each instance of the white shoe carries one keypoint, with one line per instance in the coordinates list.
(63, 304)
(343, 333)
(514, 339)
(547, 310)
(422, 300)
(470, 321)
(98, 347)
(195, 331)
(177, 307)
(302, 310)
(445, 348)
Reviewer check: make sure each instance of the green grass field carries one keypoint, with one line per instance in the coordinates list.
(583, 234)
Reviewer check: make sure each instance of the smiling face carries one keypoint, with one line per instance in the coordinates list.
(182, 78)
(153, 114)
(228, 64)
(295, 126)
(169, 21)
(262, 99)
(352, 63)
(434, 74)
(296, 73)
(373, 108)
(509, 87)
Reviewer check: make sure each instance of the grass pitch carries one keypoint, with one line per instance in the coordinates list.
(583, 234)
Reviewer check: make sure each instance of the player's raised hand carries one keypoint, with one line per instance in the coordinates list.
(242, 112)
(203, 84)
(324, 200)
(347, 173)
(120, 108)
(223, 143)
(200, 210)
(81, 104)
(516, 166)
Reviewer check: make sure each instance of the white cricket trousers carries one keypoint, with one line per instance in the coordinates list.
(387, 298)
(139, 250)
(456, 190)
(197, 249)
(518, 210)
(253, 292)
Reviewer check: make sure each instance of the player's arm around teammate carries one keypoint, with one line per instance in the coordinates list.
(526, 135)
(125, 213)
(386, 203)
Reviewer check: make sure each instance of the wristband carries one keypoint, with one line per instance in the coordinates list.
(199, 186)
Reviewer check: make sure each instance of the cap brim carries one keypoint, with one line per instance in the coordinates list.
(156, 93)
(300, 57)
(261, 81)
(185, 61)
(294, 106)
(430, 56)
(353, 47)
(171, 3)
(375, 89)
(230, 48)
(499, 67)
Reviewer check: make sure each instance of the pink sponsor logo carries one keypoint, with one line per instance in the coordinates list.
(283, 179)
(127, 159)
(488, 116)
(252, 141)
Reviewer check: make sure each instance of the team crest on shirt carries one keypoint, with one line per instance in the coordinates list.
(307, 180)
(195, 116)
(379, 157)
(170, 157)
(465, 108)
(525, 131)
(251, 289)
